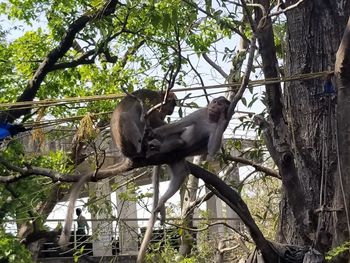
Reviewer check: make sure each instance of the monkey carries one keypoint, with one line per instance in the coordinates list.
(187, 134)
(129, 123)
(198, 133)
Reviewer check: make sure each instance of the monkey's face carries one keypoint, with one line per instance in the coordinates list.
(217, 107)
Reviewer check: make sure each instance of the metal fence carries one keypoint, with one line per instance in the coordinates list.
(124, 236)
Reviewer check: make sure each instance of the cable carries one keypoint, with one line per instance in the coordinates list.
(253, 83)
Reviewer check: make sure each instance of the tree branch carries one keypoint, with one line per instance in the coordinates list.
(44, 68)
(215, 66)
(232, 199)
(257, 166)
(245, 80)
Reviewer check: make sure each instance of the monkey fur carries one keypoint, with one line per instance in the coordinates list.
(128, 123)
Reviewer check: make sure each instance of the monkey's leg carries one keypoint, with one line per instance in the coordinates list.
(168, 144)
(179, 172)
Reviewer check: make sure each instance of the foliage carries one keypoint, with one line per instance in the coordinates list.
(18, 200)
(11, 251)
(262, 195)
(337, 251)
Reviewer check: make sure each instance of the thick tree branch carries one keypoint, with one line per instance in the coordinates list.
(82, 60)
(32, 170)
(282, 153)
(217, 185)
(44, 68)
(232, 199)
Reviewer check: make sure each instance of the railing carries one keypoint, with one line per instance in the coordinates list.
(124, 236)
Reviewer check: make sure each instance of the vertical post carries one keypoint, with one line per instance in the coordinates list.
(102, 227)
(128, 229)
(75, 236)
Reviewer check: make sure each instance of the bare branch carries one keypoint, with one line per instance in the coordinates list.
(215, 66)
(200, 79)
(286, 9)
(257, 166)
(245, 80)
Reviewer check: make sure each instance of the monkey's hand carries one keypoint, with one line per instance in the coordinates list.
(149, 134)
(153, 147)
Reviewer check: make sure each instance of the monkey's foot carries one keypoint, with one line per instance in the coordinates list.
(154, 145)
(162, 214)
(161, 210)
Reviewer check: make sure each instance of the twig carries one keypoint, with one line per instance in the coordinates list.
(286, 9)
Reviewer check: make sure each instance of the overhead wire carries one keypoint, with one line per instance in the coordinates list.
(53, 122)
(252, 83)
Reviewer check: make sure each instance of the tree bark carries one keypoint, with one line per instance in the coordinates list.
(342, 195)
(314, 30)
(277, 135)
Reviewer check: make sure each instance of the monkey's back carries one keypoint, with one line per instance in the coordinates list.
(132, 112)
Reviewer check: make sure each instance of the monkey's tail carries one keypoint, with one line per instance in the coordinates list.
(109, 171)
(66, 231)
(147, 238)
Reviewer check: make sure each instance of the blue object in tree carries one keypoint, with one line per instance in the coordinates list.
(328, 87)
(7, 129)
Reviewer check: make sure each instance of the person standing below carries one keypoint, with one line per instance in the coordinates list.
(82, 224)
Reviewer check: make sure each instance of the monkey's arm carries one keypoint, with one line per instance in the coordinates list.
(181, 125)
(215, 138)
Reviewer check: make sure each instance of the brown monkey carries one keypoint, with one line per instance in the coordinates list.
(128, 126)
(198, 133)
(128, 123)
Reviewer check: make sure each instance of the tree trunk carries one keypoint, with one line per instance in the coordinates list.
(314, 32)
(342, 195)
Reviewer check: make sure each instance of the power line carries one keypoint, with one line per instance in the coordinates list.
(253, 83)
